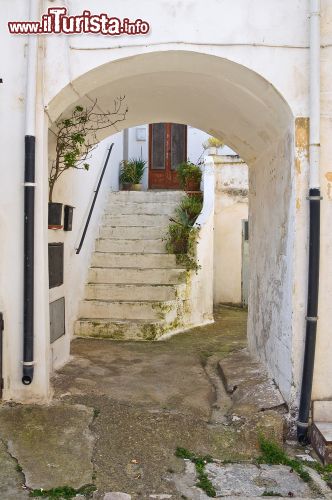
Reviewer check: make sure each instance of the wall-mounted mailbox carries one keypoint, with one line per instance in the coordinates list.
(68, 218)
(55, 264)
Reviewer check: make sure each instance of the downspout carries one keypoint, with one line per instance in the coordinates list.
(29, 200)
(314, 225)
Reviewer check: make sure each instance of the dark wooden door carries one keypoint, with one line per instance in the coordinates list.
(167, 148)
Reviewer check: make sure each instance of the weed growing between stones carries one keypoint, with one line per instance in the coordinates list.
(272, 454)
(96, 412)
(63, 492)
(203, 481)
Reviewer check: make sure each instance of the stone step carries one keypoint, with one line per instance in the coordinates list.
(125, 310)
(131, 246)
(152, 208)
(135, 220)
(167, 196)
(120, 330)
(133, 233)
(321, 440)
(322, 411)
(134, 260)
(136, 276)
(114, 291)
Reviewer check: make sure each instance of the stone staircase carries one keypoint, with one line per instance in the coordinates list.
(321, 430)
(135, 289)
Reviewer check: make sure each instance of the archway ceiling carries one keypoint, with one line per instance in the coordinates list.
(213, 94)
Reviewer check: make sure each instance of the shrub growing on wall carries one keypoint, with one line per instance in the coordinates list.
(76, 137)
(181, 237)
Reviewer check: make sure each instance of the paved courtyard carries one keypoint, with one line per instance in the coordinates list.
(120, 410)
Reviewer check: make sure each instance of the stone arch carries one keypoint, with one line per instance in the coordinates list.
(247, 112)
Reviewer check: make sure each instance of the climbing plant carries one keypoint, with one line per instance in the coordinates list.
(182, 235)
(76, 137)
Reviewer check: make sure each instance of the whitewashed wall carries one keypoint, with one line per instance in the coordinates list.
(231, 208)
(76, 188)
(240, 74)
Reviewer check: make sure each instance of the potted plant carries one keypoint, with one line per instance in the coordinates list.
(189, 175)
(75, 138)
(131, 174)
(182, 236)
(212, 145)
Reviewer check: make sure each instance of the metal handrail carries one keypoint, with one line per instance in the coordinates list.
(94, 200)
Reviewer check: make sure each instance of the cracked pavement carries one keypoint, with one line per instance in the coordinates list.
(120, 410)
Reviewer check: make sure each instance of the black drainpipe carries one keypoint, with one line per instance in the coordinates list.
(312, 308)
(29, 230)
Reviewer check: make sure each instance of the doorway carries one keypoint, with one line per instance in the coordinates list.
(167, 148)
(245, 263)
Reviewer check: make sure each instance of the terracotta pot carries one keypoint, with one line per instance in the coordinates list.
(129, 186)
(136, 187)
(192, 185)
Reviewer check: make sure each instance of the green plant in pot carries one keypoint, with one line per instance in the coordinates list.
(181, 236)
(131, 173)
(213, 145)
(189, 176)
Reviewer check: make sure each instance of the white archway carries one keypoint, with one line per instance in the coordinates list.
(240, 107)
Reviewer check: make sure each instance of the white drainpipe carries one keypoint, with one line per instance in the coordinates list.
(314, 226)
(31, 85)
(314, 66)
(29, 201)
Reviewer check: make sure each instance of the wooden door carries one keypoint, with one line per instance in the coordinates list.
(167, 148)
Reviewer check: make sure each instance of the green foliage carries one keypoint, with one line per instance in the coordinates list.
(213, 142)
(182, 236)
(96, 413)
(324, 470)
(274, 455)
(184, 453)
(189, 209)
(271, 494)
(63, 492)
(76, 137)
(188, 171)
(132, 170)
(203, 481)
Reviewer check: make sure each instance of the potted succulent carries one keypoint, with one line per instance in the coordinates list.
(189, 175)
(131, 173)
(212, 145)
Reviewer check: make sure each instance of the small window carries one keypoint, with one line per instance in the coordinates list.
(246, 230)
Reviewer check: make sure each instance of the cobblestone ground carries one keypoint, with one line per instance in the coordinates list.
(121, 409)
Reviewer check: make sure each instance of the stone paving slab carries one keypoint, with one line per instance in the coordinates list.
(53, 444)
(237, 368)
(250, 480)
(153, 374)
(235, 481)
(11, 478)
(248, 382)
